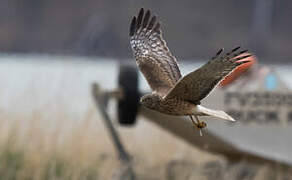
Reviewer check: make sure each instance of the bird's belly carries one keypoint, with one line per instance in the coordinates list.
(176, 107)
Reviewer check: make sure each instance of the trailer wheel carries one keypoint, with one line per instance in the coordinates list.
(128, 105)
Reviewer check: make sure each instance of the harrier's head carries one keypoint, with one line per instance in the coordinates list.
(150, 101)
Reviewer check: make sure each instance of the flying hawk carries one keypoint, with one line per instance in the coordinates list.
(173, 94)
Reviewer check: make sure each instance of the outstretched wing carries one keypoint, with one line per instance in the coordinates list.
(153, 57)
(197, 85)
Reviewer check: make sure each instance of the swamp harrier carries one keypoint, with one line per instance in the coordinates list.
(173, 94)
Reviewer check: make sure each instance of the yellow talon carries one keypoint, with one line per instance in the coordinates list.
(201, 125)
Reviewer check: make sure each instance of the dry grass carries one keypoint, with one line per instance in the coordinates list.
(32, 150)
(39, 146)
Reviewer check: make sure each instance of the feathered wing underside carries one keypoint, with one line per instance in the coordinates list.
(152, 55)
(198, 84)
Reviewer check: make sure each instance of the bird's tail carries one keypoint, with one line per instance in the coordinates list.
(215, 113)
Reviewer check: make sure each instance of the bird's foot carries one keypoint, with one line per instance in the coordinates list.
(200, 126)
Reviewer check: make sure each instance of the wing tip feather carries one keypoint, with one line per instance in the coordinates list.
(243, 57)
(151, 23)
(140, 18)
(218, 53)
(235, 49)
(157, 28)
(144, 20)
(133, 26)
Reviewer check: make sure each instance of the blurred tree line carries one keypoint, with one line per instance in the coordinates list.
(192, 29)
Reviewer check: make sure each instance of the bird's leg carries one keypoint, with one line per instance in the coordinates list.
(193, 121)
(199, 124)
(197, 119)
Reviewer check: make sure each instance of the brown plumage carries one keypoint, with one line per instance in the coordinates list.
(172, 93)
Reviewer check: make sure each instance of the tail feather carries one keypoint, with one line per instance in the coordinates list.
(214, 113)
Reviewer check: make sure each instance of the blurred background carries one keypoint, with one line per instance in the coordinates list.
(51, 51)
(192, 29)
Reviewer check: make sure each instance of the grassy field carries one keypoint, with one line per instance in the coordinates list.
(83, 150)
(41, 146)
(35, 152)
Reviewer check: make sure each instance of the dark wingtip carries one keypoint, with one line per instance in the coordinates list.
(157, 27)
(235, 49)
(140, 18)
(232, 51)
(218, 53)
(244, 51)
(243, 57)
(133, 26)
(152, 22)
(141, 11)
(146, 19)
(242, 62)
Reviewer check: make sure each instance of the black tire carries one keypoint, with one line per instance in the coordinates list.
(129, 104)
